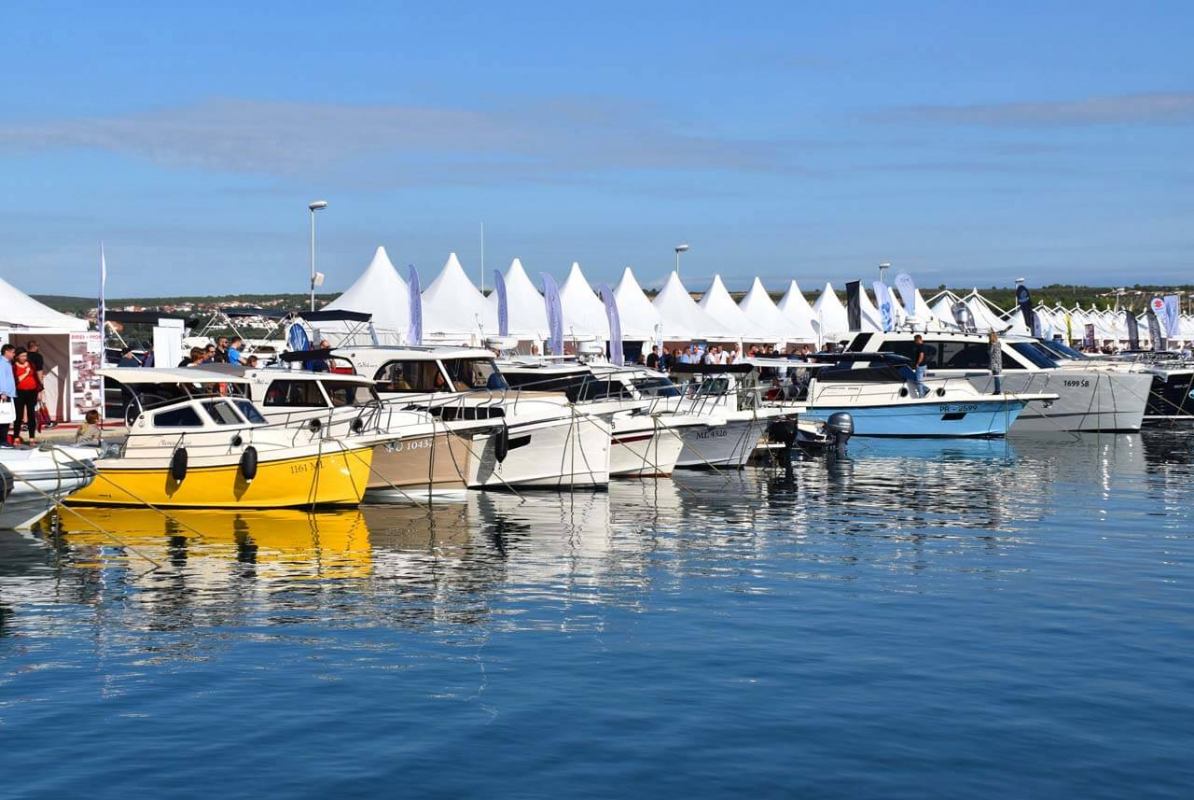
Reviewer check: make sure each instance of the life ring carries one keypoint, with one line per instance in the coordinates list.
(178, 465)
(501, 444)
(248, 464)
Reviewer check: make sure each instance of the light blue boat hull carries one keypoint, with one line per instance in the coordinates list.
(952, 419)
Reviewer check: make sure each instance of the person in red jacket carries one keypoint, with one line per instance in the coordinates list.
(28, 389)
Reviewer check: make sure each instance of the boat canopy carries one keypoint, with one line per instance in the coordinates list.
(133, 376)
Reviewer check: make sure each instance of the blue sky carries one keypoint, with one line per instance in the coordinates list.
(967, 143)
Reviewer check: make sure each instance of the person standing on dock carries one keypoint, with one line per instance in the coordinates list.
(920, 360)
(995, 354)
(653, 358)
(8, 392)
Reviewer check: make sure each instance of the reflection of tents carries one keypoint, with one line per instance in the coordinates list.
(378, 291)
(454, 310)
(22, 318)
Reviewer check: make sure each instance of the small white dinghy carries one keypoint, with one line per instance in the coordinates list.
(32, 481)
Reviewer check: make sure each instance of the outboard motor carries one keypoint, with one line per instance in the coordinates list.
(840, 427)
(783, 431)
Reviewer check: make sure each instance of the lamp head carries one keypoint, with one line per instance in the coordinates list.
(318, 204)
(681, 248)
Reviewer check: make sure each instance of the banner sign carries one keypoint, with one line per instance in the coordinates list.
(886, 306)
(907, 289)
(86, 393)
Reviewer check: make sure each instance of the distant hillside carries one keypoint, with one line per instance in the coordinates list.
(83, 306)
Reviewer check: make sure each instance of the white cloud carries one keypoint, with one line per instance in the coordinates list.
(1145, 109)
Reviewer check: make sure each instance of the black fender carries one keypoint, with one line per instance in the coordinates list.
(501, 444)
(178, 465)
(248, 464)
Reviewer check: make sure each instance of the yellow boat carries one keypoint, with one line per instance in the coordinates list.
(195, 441)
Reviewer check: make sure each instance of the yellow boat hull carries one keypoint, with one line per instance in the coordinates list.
(330, 479)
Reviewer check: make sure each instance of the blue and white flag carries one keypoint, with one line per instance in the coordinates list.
(1173, 315)
(555, 315)
(907, 289)
(886, 305)
(503, 303)
(296, 337)
(414, 333)
(615, 326)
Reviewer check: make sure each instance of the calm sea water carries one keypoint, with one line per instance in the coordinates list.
(999, 619)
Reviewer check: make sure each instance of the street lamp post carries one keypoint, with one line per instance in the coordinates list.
(313, 207)
(883, 267)
(680, 248)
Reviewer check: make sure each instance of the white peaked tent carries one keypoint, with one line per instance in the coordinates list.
(528, 314)
(19, 310)
(984, 318)
(683, 320)
(831, 314)
(454, 310)
(761, 310)
(71, 353)
(799, 314)
(639, 319)
(943, 308)
(378, 291)
(584, 312)
(718, 304)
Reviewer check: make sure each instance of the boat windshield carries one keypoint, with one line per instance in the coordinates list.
(474, 373)
(156, 395)
(656, 387)
(1063, 350)
(294, 394)
(407, 377)
(1036, 354)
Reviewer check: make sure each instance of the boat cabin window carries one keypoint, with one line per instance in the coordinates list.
(250, 412)
(181, 417)
(474, 373)
(965, 355)
(350, 394)
(294, 394)
(656, 387)
(860, 342)
(222, 413)
(907, 347)
(410, 376)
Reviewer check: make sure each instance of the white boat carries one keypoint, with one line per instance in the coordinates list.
(33, 481)
(881, 395)
(729, 393)
(647, 432)
(1098, 397)
(541, 441)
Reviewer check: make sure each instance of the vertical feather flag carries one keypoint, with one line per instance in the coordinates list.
(886, 308)
(503, 303)
(1133, 330)
(1173, 316)
(555, 315)
(1154, 324)
(907, 288)
(1024, 300)
(616, 354)
(414, 333)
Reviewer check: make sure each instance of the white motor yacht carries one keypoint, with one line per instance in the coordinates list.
(540, 441)
(639, 405)
(730, 393)
(1095, 397)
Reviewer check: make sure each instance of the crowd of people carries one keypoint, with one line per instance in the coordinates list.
(669, 358)
(22, 389)
(224, 351)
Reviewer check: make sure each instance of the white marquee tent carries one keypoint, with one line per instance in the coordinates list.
(524, 303)
(717, 303)
(682, 319)
(378, 291)
(640, 320)
(454, 310)
(831, 315)
(799, 313)
(584, 312)
(758, 307)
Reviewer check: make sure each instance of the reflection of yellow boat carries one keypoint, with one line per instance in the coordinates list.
(193, 442)
(282, 543)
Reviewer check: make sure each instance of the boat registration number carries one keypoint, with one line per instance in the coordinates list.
(1075, 383)
(299, 469)
(957, 408)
